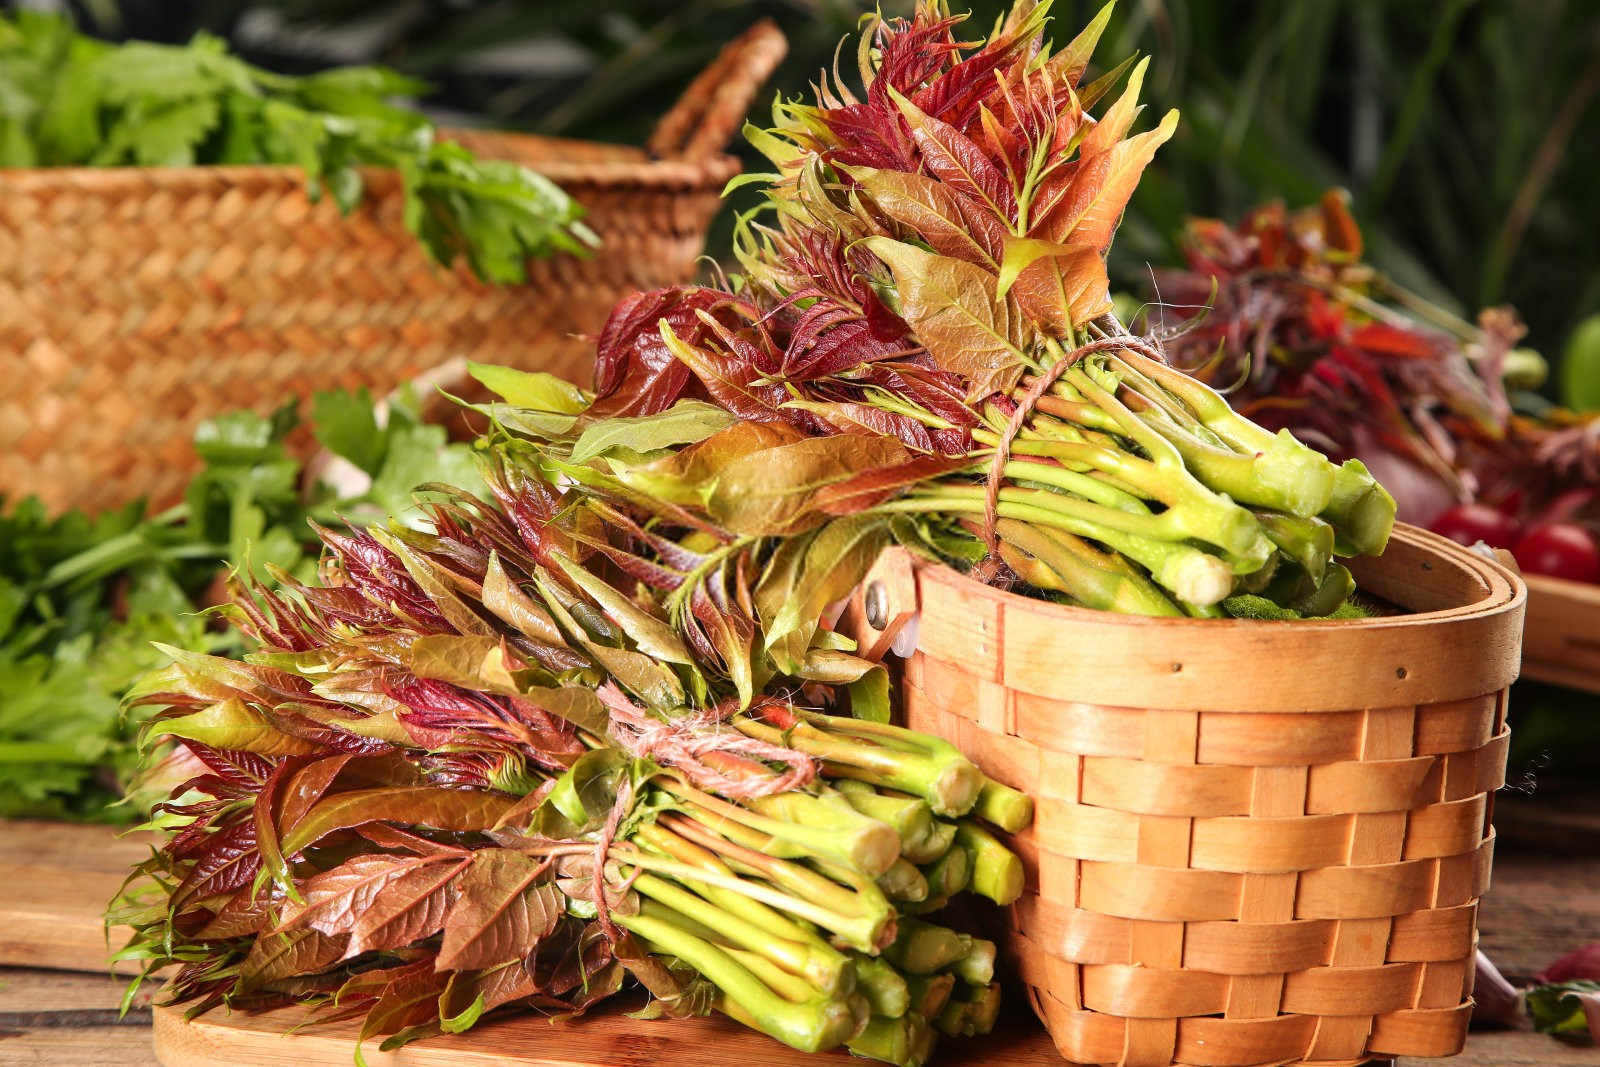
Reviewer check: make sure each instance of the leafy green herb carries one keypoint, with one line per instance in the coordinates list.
(1558, 1008)
(84, 599)
(70, 100)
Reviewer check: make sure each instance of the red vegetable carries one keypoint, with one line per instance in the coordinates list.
(1575, 966)
(1468, 524)
(1560, 550)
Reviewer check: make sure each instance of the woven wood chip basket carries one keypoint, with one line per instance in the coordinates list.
(1256, 842)
(135, 302)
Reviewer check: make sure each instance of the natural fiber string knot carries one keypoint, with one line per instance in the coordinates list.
(684, 743)
(1025, 406)
(602, 849)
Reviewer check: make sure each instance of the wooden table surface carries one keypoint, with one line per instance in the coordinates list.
(1540, 907)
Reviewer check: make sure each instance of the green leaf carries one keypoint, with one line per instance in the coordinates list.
(417, 455)
(427, 574)
(869, 696)
(652, 635)
(1558, 1008)
(479, 663)
(835, 562)
(506, 600)
(231, 724)
(775, 491)
(954, 309)
(536, 390)
(686, 422)
(584, 795)
(346, 425)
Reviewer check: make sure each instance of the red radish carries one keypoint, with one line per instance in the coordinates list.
(1468, 524)
(1560, 550)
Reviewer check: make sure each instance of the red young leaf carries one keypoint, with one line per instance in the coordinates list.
(957, 161)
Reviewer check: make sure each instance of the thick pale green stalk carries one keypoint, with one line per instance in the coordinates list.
(930, 992)
(1083, 573)
(1190, 573)
(933, 770)
(793, 957)
(911, 818)
(996, 871)
(841, 833)
(936, 843)
(923, 948)
(1362, 511)
(906, 1041)
(1309, 542)
(830, 961)
(948, 875)
(903, 882)
(1007, 808)
(976, 968)
(811, 1026)
(864, 933)
(857, 897)
(884, 987)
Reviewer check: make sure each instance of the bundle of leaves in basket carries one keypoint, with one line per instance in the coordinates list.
(921, 335)
(543, 744)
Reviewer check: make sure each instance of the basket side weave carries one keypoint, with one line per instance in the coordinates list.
(1224, 887)
(135, 302)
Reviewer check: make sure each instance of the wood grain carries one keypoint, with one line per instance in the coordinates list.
(609, 1038)
(58, 878)
(1561, 643)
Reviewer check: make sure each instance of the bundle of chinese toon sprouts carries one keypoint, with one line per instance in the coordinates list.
(540, 747)
(921, 323)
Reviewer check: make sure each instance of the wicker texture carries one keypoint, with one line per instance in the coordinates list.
(1255, 843)
(135, 302)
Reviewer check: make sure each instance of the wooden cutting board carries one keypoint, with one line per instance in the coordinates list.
(55, 881)
(600, 1039)
(1561, 640)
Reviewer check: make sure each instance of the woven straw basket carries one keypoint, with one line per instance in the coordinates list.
(135, 302)
(1255, 843)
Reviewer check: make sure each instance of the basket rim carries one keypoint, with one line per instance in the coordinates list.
(1506, 591)
(1461, 641)
(625, 170)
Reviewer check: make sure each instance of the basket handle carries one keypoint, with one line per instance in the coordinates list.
(709, 112)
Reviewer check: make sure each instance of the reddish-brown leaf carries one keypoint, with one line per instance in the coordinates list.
(958, 161)
(873, 487)
(301, 950)
(932, 212)
(229, 861)
(505, 905)
(441, 808)
(1058, 287)
(1087, 209)
(953, 308)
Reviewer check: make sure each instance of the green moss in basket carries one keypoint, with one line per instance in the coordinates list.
(70, 100)
(85, 600)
